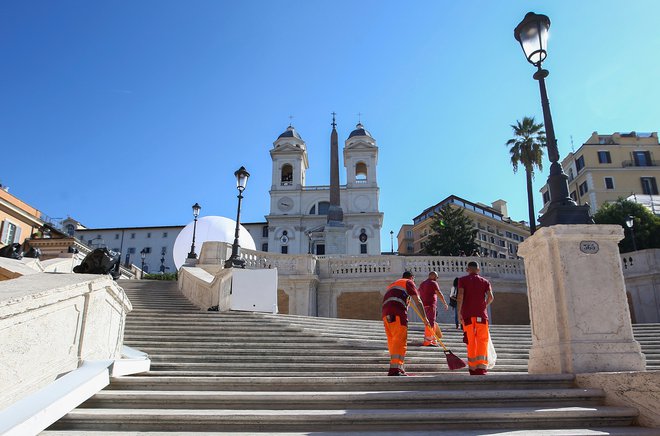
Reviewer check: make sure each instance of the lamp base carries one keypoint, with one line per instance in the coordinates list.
(566, 214)
(235, 262)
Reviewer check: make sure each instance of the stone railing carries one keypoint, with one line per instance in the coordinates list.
(214, 253)
(53, 322)
(640, 262)
(204, 289)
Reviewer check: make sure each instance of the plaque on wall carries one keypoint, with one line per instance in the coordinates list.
(589, 247)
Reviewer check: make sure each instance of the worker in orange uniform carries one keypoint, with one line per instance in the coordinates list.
(395, 318)
(429, 291)
(474, 296)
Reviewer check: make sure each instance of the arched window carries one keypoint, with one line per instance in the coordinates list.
(70, 229)
(322, 207)
(287, 175)
(361, 172)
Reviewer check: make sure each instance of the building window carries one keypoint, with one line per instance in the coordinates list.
(163, 251)
(579, 163)
(324, 206)
(574, 196)
(131, 250)
(360, 172)
(287, 175)
(70, 229)
(264, 232)
(10, 233)
(264, 246)
(649, 186)
(571, 176)
(148, 234)
(409, 233)
(116, 235)
(604, 157)
(642, 158)
(132, 235)
(584, 188)
(546, 197)
(492, 240)
(320, 249)
(410, 248)
(516, 237)
(82, 237)
(285, 249)
(147, 250)
(164, 234)
(609, 183)
(363, 248)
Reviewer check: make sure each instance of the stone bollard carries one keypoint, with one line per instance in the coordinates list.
(577, 301)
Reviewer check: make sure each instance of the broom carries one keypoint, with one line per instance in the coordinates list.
(453, 361)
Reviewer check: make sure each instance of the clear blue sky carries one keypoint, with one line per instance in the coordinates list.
(164, 100)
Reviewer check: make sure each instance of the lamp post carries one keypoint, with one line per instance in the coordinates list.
(630, 223)
(196, 208)
(143, 255)
(241, 181)
(532, 34)
(392, 241)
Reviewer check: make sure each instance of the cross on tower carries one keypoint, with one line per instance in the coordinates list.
(290, 120)
(334, 124)
(359, 117)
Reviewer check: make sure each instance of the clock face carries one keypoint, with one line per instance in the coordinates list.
(285, 204)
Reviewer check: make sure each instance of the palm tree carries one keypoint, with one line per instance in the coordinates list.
(527, 150)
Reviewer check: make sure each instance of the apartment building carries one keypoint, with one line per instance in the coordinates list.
(498, 235)
(607, 167)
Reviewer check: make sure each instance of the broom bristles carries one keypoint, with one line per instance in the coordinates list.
(453, 361)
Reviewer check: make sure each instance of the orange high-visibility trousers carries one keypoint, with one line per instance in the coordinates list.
(397, 341)
(477, 346)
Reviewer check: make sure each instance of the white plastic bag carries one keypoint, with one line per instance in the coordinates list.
(492, 354)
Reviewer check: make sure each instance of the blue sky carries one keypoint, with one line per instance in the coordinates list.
(164, 100)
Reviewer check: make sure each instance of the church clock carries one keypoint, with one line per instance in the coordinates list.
(285, 204)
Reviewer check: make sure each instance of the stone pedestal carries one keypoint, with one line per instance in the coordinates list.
(335, 239)
(577, 301)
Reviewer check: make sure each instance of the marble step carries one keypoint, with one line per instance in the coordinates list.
(356, 399)
(155, 380)
(249, 420)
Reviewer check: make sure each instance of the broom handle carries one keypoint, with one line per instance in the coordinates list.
(434, 333)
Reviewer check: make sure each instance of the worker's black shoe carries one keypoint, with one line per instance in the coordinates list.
(396, 372)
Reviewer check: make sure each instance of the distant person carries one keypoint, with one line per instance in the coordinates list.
(474, 296)
(429, 291)
(452, 300)
(461, 254)
(475, 253)
(395, 319)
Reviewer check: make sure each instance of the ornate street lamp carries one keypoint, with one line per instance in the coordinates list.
(532, 34)
(143, 255)
(630, 223)
(196, 208)
(241, 181)
(392, 241)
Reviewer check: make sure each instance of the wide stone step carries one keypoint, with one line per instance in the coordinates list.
(344, 420)
(155, 380)
(592, 431)
(342, 400)
(211, 338)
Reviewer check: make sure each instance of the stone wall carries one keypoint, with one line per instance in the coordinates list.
(641, 271)
(50, 323)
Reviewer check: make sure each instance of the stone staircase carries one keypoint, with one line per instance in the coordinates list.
(249, 372)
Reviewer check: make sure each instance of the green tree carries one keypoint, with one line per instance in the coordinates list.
(646, 226)
(453, 232)
(527, 150)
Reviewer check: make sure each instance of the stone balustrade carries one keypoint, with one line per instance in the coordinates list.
(215, 253)
(51, 323)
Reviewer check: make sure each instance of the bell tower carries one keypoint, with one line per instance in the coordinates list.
(289, 156)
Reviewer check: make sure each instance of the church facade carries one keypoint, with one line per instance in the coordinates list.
(325, 220)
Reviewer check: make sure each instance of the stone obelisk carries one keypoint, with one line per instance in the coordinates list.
(335, 231)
